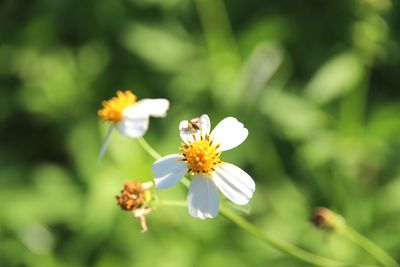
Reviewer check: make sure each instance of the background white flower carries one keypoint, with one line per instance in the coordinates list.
(200, 155)
(129, 116)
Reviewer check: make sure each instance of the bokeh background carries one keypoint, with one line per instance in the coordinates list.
(315, 82)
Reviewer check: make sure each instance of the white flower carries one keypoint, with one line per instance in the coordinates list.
(200, 155)
(129, 116)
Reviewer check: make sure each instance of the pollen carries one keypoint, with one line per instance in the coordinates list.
(201, 155)
(112, 109)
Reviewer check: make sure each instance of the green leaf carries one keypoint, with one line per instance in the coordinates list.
(292, 115)
(162, 48)
(337, 77)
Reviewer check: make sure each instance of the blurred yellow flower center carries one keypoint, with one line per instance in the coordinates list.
(201, 156)
(112, 109)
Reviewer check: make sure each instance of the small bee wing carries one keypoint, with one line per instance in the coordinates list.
(184, 125)
(195, 125)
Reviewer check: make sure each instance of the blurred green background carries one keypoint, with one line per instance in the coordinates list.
(315, 82)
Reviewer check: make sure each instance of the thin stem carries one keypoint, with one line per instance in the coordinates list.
(173, 203)
(105, 143)
(185, 181)
(148, 148)
(283, 246)
(369, 246)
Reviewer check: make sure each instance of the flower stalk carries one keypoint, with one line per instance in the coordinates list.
(148, 148)
(326, 219)
(373, 249)
(281, 245)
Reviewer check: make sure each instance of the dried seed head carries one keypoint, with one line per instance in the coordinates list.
(135, 197)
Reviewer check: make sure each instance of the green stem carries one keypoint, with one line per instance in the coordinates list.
(148, 148)
(173, 203)
(283, 246)
(369, 246)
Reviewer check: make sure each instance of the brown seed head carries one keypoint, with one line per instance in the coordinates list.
(134, 196)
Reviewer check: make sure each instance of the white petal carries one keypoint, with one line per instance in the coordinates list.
(205, 124)
(105, 142)
(133, 127)
(148, 107)
(168, 171)
(234, 183)
(197, 126)
(229, 133)
(203, 199)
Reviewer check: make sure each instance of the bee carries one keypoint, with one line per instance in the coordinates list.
(193, 125)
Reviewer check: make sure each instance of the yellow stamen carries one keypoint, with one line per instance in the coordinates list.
(112, 109)
(201, 156)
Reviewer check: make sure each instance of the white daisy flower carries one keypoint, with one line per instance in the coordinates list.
(129, 116)
(200, 155)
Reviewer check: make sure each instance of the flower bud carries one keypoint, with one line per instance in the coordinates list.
(326, 219)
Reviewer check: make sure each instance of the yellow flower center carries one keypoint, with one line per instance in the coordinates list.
(112, 109)
(201, 156)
